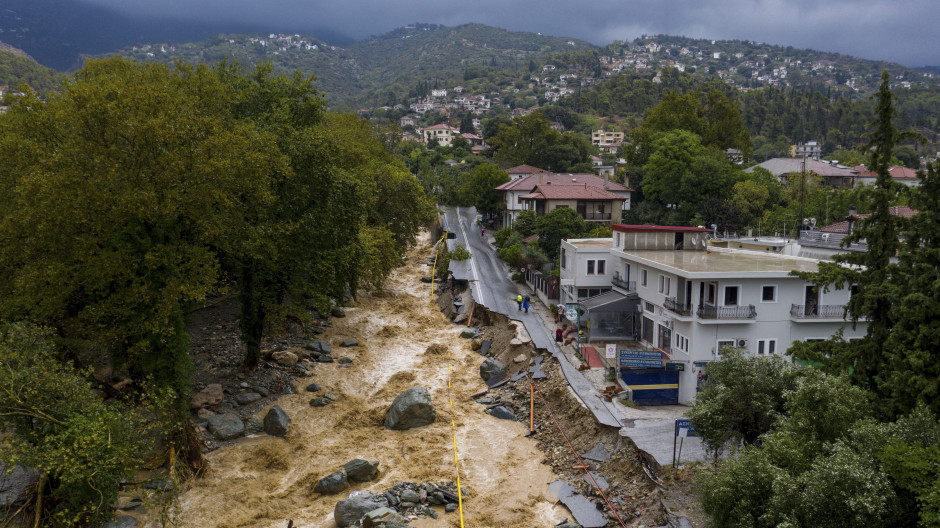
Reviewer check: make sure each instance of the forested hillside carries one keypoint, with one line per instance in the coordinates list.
(369, 70)
(17, 68)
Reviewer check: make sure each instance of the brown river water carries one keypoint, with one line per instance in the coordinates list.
(404, 341)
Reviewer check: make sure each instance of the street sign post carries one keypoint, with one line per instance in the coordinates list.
(683, 429)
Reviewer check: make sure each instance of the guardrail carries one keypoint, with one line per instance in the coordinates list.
(675, 306)
(620, 283)
(727, 312)
(812, 311)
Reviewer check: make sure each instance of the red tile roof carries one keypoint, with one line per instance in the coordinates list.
(898, 172)
(843, 227)
(571, 192)
(524, 169)
(533, 180)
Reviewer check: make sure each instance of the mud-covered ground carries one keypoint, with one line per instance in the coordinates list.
(404, 341)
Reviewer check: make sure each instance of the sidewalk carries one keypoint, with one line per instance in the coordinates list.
(651, 428)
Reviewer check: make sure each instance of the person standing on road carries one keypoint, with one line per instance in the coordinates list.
(559, 335)
(519, 301)
(526, 304)
(482, 232)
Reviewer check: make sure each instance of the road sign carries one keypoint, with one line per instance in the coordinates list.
(641, 358)
(684, 428)
(572, 314)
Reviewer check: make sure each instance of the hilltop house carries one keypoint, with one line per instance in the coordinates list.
(902, 175)
(525, 179)
(443, 133)
(832, 175)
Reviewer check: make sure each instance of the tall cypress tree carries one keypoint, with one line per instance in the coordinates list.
(912, 350)
(869, 273)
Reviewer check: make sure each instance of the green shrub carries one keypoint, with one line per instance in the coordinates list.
(63, 429)
(460, 253)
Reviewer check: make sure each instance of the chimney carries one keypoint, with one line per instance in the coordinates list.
(606, 182)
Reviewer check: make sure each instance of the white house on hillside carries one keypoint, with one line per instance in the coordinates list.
(692, 300)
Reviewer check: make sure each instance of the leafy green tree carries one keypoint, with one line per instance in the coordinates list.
(526, 223)
(912, 458)
(480, 189)
(682, 172)
(812, 468)
(129, 183)
(83, 447)
(560, 223)
(742, 399)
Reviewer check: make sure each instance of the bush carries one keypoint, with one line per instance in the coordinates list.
(460, 253)
(63, 429)
(501, 236)
(512, 255)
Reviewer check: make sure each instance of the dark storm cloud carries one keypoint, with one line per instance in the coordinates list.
(903, 31)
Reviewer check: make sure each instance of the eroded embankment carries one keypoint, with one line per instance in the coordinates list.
(564, 425)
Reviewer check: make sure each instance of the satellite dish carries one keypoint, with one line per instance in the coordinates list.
(694, 240)
(704, 243)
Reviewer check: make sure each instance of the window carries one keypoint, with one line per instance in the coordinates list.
(647, 330)
(664, 284)
(731, 295)
(722, 344)
(766, 347)
(650, 308)
(768, 294)
(617, 244)
(563, 258)
(665, 338)
(682, 343)
(642, 277)
(596, 267)
(710, 289)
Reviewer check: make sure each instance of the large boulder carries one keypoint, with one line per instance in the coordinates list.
(348, 511)
(276, 422)
(210, 396)
(382, 517)
(491, 368)
(332, 483)
(226, 426)
(337, 311)
(410, 409)
(359, 470)
(349, 342)
(285, 358)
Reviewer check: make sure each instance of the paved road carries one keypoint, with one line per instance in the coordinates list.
(492, 286)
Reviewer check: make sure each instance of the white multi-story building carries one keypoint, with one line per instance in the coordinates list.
(688, 300)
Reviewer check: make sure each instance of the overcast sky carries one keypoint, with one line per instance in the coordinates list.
(903, 31)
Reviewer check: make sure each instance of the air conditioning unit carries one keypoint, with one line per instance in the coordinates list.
(742, 343)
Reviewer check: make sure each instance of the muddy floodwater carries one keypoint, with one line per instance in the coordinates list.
(404, 341)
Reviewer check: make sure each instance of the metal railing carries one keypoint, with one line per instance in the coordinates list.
(813, 311)
(677, 307)
(596, 216)
(620, 283)
(727, 312)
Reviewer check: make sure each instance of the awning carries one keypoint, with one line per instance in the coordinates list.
(611, 301)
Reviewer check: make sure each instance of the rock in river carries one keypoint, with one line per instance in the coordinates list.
(348, 511)
(410, 409)
(226, 426)
(276, 422)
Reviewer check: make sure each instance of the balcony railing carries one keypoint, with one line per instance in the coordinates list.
(618, 281)
(727, 312)
(596, 216)
(677, 307)
(812, 311)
